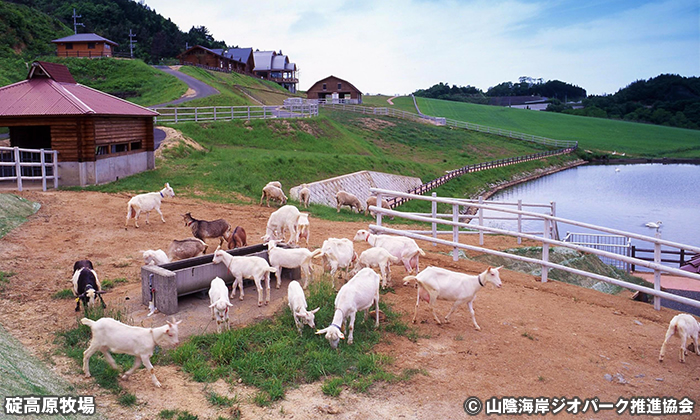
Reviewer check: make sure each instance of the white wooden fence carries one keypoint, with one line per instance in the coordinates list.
(19, 165)
(228, 113)
(547, 240)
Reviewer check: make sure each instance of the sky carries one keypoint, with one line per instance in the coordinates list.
(395, 47)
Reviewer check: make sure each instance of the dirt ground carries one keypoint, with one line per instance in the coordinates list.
(548, 340)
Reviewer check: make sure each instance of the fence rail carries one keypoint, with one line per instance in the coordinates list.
(228, 113)
(546, 239)
(17, 164)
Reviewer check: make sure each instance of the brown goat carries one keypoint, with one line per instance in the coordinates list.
(202, 229)
(237, 239)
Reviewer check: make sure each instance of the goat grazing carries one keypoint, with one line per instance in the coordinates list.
(181, 249)
(297, 303)
(282, 220)
(683, 325)
(110, 335)
(438, 283)
(303, 228)
(372, 201)
(358, 294)
(237, 238)
(344, 198)
(86, 285)
(377, 257)
(399, 246)
(219, 303)
(255, 268)
(291, 258)
(155, 257)
(304, 195)
(273, 192)
(203, 229)
(147, 202)
(338, 253)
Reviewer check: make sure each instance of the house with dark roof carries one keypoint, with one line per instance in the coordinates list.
(84, 45)
(270, 65)
(242, 55)
(218, 59)
(336, 90)
(99, 137)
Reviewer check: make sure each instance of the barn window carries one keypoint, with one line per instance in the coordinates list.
(324, 86)
(101, 150)
(69, 45)
(121, 147)
(135, 145)
(340, 86)
(91, 45)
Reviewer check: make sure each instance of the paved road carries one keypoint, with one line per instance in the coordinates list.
(201, 89)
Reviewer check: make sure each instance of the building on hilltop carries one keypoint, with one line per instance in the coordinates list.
(242, 55)
(270, 65)
(212, 59)
(336, 90)
(84, 45)
(99, 138)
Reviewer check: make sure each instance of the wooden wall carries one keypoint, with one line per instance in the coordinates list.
(80, 49)
(346, 89)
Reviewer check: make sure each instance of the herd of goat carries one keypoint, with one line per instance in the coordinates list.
(288, 225)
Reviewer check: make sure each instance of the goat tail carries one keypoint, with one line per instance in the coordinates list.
(130, 212)
(421, 252)
(86, 321)
(317, 253)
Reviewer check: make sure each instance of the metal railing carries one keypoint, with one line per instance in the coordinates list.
(20, 165)
(546, 239)
(617, 244)
(228, 113)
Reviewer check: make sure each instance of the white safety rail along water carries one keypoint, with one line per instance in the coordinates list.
(457, 227)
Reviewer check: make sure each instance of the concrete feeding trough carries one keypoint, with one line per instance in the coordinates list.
(167, 282)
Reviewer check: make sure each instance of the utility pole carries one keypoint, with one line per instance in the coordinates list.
(131, 43)
(76, 23)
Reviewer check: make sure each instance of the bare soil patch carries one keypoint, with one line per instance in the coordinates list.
(537, 340)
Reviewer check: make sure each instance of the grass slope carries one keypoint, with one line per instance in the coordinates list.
(14, 211)
(597, 134)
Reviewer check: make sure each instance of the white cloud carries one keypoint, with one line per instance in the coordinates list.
(395, 46)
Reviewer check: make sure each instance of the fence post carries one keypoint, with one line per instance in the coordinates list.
(545, 251)
(55, 169)
(434, 211)
(481, 220)
(264, 112)
(18, 169)
(520, 220)
(455, 231)
(196, 117)
(379, 214)
(634, 255)
(43, 169)
(214, 113)
(657, 273)
(175, 114)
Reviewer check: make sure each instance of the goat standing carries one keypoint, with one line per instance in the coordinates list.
(147, 202)
(203, 229)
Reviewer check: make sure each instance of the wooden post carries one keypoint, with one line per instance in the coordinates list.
(42, 160)
(379, 204)
(481, 220)
(434, 211)
(55, 169)
(545, 251)
(657, 273)
(520, 220)
(455, 231)
(634, 255)
(18, 169)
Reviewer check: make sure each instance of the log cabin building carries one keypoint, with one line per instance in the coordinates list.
(99, 137)
(334, 89)
(84, 45)
(217, 59)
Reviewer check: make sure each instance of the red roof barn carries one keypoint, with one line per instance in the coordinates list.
(336, 90)
(99, 137)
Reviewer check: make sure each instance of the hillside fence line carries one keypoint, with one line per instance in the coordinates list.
(228, 113)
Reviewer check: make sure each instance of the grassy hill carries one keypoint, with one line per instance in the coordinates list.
(596, 134)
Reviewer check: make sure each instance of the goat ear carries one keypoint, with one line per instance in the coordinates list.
(210, 306)
(498, 268)
(229, 304)
(218, 248)
(323, 331)
(315, 310)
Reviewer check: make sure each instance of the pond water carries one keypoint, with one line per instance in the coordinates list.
(623, 197)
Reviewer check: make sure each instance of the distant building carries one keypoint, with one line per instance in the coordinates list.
(334, 89)
(84, 45)
(270, 65)
(233, 60)
(244, 56)
(99, 137)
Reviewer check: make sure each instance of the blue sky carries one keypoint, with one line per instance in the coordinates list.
(397, 46)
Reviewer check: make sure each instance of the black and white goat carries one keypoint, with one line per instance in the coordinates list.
(86, 285)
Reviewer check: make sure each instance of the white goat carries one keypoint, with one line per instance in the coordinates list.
(338, 253)
(291, 258)
(297, 303)
(147, 202)
(255, 268)
(438, 283)
(683, 325)
(219, 303)
(155, 257)
(283, 220)
(303, 228)
(401, 247)
(273, 192)
(275, 183)
(110, 335)
(358, 294)
(304, 195)
(377, 257)
(344, 198)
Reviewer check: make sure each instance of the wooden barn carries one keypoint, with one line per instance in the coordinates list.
(213, 59)
(99, 137)
(334, 89)
(84, 45)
